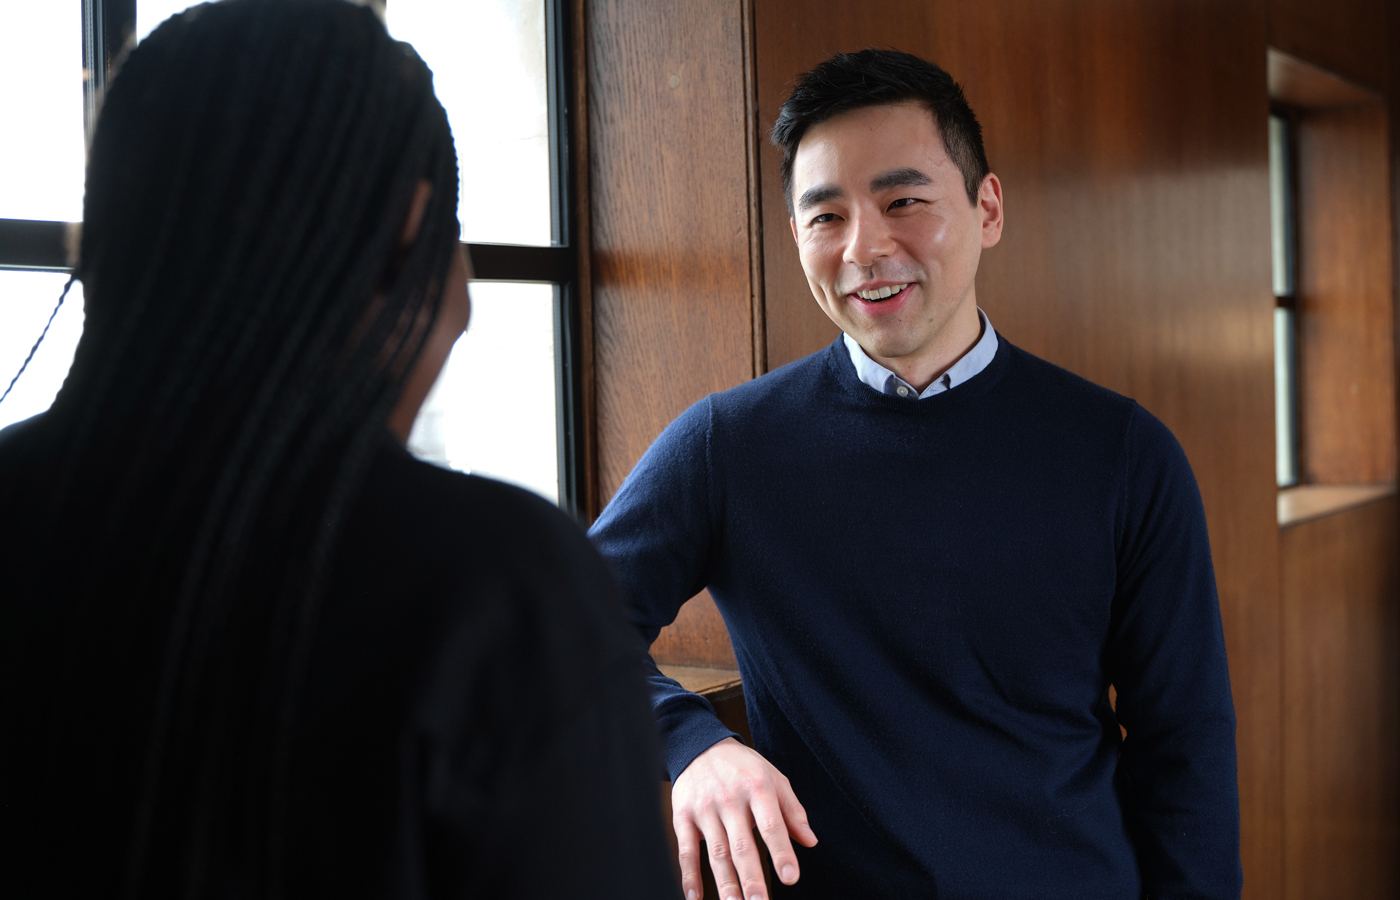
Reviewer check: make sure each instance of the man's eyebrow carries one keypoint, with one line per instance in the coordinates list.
(819, 194)
(904, 177)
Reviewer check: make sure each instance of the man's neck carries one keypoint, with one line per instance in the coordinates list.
(923, 367)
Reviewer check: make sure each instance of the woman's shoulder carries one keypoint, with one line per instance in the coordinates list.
(423, 545)
(437, 516)
(438, 574)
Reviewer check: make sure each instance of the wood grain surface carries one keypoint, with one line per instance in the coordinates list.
(1298, 83)
(672, 284)
(1131, 142)
(698, 638)
(1346, 365)
(1347, 37)
(1313, 501)
(671, 290)
(1341, 610)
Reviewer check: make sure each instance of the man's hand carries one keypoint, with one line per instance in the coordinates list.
(721, 797)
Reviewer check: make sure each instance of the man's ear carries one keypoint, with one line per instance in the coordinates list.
(416, 207)
(792, 223)
(989, 204)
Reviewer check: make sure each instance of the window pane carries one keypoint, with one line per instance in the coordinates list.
(492, 411)
(26, 300)
(488, 62)
(41, 103)
(150, 13)
(1285, 397)
(1281, 206)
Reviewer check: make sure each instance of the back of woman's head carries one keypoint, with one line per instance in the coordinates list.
(254, 304)
(248, 183)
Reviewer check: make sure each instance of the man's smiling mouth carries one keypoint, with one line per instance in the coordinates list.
(881, 293)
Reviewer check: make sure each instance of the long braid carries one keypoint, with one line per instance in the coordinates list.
(250, 322)
(67, 285)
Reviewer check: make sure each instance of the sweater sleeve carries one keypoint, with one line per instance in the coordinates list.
(659, 535)
(1166, 658)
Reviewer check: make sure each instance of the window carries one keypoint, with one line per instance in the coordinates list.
(1329, 153)
(1285, 259)
(508, 402)
(44, 51)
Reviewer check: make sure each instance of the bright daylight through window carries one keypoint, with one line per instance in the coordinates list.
(495, 410)
(41, 178)
(1282, 219)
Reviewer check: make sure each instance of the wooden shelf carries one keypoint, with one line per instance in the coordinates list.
(705, 682)
(1293, 81)
(1312, 501)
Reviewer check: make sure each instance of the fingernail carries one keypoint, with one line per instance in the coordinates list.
(789, 873)
(691, 894)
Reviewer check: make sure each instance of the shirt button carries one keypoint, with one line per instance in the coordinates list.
(902, 391)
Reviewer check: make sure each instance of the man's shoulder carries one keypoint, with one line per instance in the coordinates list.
(1050, 382)
(1076, 404)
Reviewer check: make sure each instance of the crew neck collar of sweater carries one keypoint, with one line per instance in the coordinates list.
(838, 359)
(886, 381)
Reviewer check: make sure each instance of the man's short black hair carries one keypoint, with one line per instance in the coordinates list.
(873, 77)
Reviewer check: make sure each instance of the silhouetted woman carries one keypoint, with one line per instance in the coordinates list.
(248, 646)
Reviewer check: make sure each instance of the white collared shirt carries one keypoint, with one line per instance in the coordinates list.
(886, 382)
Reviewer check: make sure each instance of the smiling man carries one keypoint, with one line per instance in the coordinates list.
(935, 553)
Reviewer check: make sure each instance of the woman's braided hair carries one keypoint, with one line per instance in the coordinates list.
(252, 313)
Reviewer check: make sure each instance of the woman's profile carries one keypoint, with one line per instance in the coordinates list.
(248, 645)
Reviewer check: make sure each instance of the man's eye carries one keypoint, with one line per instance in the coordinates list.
(824, 218)
(903, 202)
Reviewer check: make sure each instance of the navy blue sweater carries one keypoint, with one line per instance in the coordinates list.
(929, 600)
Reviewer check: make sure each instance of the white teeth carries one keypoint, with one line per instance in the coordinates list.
(881, 293)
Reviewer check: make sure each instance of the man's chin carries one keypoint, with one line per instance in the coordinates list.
(883, 346)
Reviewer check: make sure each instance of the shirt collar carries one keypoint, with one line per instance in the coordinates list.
(886, 382)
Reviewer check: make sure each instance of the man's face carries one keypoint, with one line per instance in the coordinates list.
(880, 208)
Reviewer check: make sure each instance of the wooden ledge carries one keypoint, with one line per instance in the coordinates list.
(705, 682)
(1304, 85)
(1313, 501)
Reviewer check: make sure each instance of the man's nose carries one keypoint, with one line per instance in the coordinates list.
(869, 239)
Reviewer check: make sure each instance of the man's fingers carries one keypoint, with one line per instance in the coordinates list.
(796, 818)
(688, 845)
(726, 792)
(721, 863)
(774, 830)
(743, 854)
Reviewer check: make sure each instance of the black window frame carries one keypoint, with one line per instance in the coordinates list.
(109, 25)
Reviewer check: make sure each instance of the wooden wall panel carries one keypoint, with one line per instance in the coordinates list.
(1131, 141)
(672, 296)
(1345, 296)
(1347, 37)
(698, 637)
(1393, 110)
(1341, 601)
